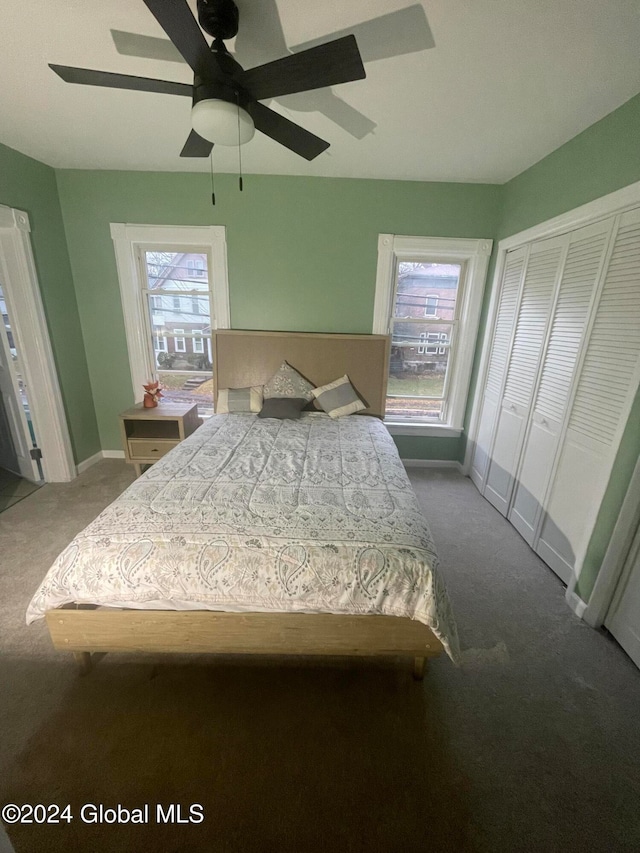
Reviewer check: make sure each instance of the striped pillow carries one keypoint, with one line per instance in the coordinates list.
(237, 400)
(339, 398)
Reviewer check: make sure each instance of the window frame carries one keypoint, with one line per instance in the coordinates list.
(473, 255)
(128, 239)
(178, 335)
(426, 305)
(198, 343)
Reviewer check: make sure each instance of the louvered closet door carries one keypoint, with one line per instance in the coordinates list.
(581, 273)
(540, 280)
(605, 389)
(498, 359)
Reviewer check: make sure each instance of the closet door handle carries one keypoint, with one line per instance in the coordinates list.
(544, 422)
(512, 407)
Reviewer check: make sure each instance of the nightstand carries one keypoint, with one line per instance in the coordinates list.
(147, 434)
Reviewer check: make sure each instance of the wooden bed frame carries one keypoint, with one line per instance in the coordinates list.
(241, 359)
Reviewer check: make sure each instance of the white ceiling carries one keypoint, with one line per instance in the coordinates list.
(506, 82)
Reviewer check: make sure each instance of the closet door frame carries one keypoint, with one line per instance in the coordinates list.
(617, 202)
(612, 204)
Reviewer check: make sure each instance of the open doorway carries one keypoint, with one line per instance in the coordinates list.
(20, 469)
(34, 438)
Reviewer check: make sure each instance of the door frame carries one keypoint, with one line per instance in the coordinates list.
(29, 327)
(615, 559)
(601, 208)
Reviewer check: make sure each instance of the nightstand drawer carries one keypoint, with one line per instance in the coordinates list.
(150, 448)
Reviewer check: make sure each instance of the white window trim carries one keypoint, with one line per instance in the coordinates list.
(198, 343)
(475, 255)
(126, 239)
(29, 326)
(426, 305)
(178, 335)
(160, 339)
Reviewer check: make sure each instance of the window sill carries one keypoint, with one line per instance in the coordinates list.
(431, 430)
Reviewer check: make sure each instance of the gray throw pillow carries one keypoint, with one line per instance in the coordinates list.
(287, 382)
(282, 407)
(239, 400)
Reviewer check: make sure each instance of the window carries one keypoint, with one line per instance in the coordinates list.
(196, 268)
(179, 342)
(431, 306)
(428, 298)
(158, 294)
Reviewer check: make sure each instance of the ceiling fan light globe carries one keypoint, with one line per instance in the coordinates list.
(222, 122)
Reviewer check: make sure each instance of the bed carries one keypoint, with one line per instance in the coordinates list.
(262, 536)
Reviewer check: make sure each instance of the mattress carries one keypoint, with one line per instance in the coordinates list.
(249, 514)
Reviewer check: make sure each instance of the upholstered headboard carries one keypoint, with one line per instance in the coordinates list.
(243, 358)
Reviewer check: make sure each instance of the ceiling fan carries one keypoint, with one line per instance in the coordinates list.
(262, 38)
(226, 98)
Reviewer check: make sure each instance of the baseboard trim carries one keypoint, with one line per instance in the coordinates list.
(101, 454)
(87, 463)
(575, 603)
(432, 463)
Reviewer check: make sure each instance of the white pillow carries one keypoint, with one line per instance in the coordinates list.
(339, 398)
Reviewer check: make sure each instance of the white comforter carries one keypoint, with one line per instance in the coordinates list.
(312, 515)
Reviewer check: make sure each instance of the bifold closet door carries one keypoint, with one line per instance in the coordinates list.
(500, 347)
(606, 386)
(581, 273)
(540, 280)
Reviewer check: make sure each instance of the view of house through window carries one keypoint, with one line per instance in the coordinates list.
(424, 321)
(176, 291)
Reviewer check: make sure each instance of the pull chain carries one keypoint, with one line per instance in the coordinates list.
(213, 193)
(239, 144)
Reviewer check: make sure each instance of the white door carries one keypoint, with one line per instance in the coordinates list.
(15, 436)
(581, 273)
(500, 348)
(623, 618)
(604, 393)
(540, 281)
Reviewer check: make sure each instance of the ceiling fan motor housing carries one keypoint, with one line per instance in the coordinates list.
(219, 18)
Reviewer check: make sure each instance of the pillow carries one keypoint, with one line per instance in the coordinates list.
(339, 398)
(287, 382)
(236, 400)
(282, 407)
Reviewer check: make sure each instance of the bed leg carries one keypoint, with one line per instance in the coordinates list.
(83, 659)
(419, 668)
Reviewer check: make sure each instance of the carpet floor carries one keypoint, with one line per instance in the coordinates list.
(532, 744)
(14, 489)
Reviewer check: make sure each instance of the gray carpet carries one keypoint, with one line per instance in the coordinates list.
(14, 489)
(532, 744)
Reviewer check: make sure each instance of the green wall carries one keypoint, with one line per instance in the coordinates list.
(604, 158)
(302, 254)
(31, 186)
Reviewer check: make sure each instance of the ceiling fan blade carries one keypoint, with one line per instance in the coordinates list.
(326, 65)
(286, 132)
(147, 47)
(120, 81)
(176, 19)
(404, 31)
(196, 146)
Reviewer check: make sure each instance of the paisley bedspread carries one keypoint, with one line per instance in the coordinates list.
(310, 515)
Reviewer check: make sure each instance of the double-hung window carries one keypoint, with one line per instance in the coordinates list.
(173, 283)
(428, 298)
